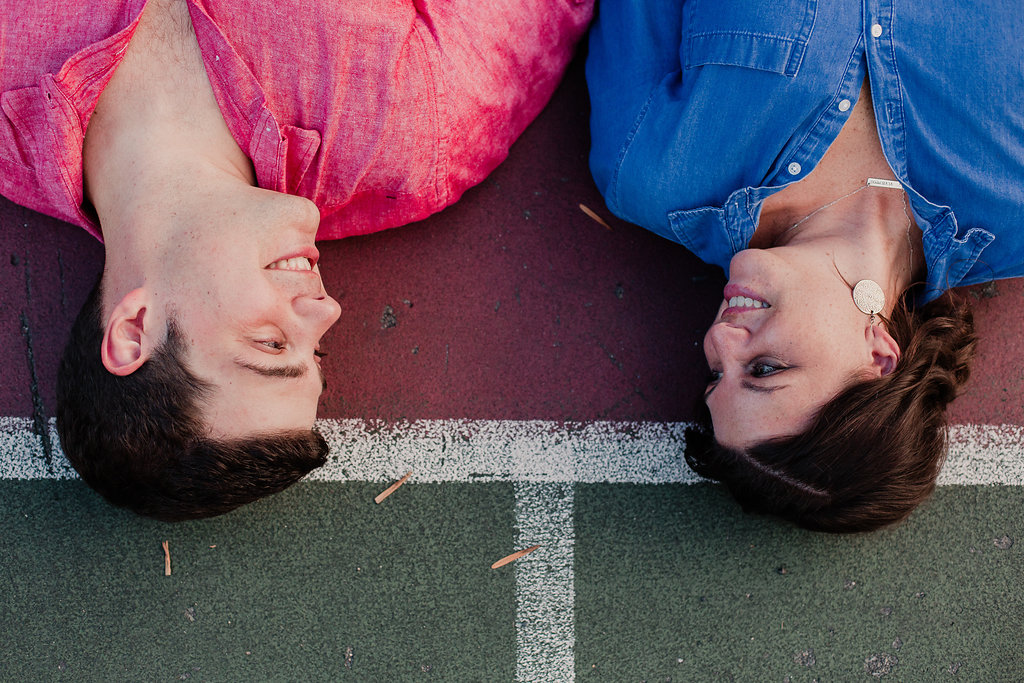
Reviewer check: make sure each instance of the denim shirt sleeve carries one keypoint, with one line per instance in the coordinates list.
(633, 49)
(655, 151)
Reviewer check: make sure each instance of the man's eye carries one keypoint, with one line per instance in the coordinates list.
(764, 369)
(273, 344)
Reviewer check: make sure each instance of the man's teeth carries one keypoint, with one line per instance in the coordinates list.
(747, 302)
(297, 263)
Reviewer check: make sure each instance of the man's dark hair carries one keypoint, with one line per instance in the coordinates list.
(873, 452)
(139, 440)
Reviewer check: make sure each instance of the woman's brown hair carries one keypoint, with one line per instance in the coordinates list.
(872, 453)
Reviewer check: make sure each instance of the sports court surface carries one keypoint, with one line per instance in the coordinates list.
(534, 370)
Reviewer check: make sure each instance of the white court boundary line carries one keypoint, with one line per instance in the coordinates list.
(543, 459)
(527, 451)
(545, 583)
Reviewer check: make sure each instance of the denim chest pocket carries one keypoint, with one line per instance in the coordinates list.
(767, 36)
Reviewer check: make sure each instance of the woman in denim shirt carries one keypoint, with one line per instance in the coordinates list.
(845, 163)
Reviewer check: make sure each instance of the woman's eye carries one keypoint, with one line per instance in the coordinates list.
(276, 345)
(764, 369)
(713, 376)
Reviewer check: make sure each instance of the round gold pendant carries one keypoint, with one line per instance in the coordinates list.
(868, 297)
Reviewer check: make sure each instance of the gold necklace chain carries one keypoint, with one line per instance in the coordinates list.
(870, 182)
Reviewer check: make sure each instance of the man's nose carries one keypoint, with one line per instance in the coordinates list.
(320, 310)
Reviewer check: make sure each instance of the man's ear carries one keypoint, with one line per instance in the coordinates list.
(129, 337)
(885, 352)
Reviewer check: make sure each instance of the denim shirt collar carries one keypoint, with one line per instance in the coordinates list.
(716, 234)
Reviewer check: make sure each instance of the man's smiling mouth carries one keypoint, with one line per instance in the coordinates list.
(295, 263)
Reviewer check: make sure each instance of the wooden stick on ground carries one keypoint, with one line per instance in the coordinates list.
(590, 212)
(391, 489)
(167, 559)
(514, 556)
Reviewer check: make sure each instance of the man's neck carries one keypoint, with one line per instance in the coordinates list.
(156, 124)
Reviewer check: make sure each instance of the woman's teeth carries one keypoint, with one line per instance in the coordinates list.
(747, 302)
(296, 263)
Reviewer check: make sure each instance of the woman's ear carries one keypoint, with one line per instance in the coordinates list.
(129, 338)
(885, 352)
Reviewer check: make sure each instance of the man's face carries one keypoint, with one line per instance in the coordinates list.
(251, 304)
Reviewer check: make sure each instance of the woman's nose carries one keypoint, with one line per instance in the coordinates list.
(724, 339)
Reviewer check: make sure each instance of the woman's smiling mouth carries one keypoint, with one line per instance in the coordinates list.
(747, 302)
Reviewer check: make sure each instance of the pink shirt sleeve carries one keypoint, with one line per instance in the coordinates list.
(55, 59)
(380, 111)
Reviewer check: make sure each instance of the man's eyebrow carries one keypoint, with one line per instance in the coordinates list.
(283, 371)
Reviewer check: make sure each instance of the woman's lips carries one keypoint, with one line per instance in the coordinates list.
(740, 299)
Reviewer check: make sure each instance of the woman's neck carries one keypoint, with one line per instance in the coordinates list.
(833, 206)
(870, 234)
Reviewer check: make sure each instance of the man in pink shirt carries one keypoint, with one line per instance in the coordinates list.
(208, 143)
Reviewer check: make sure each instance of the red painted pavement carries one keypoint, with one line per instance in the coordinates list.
(512, 304)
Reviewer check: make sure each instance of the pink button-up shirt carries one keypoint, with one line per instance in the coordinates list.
(379, 111)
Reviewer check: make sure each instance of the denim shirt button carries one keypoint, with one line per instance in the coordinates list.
(794, 168)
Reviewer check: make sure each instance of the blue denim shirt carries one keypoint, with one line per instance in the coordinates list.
(702, 108)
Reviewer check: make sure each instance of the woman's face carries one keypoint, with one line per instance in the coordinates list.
(787, 338)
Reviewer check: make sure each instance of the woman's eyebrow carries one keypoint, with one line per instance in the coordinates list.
(747, 384)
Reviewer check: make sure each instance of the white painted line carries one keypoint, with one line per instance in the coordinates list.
(984, 455)
(505, 450)
(22, 455)
(545, 590)
(528, 451)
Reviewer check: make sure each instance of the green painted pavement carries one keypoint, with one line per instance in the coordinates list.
(672, 582)
(676, 583)
(315, 584)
